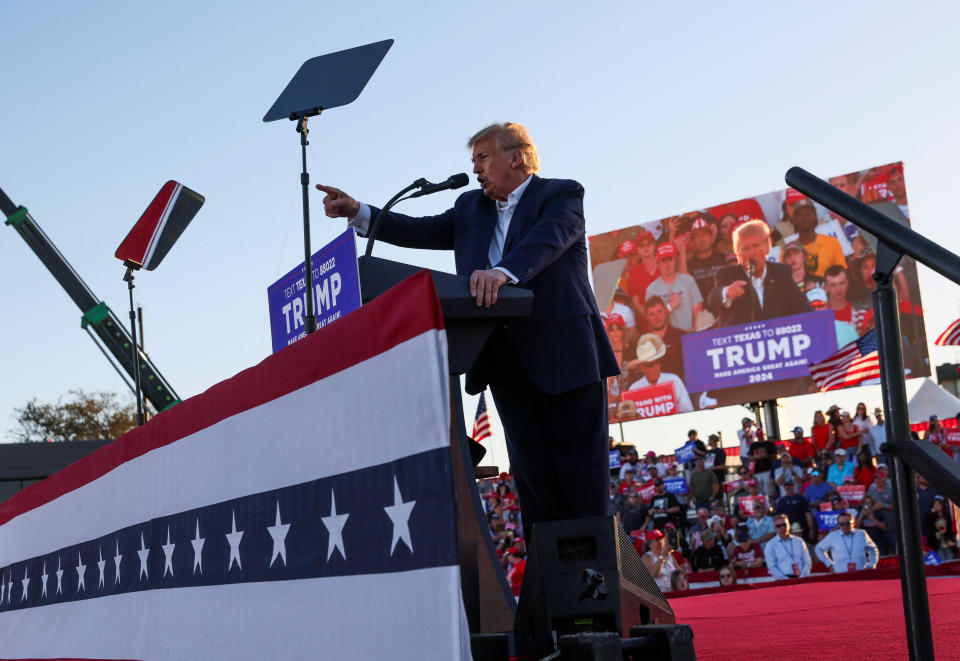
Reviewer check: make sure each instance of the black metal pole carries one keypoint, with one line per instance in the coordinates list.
(128, 277)
(916, 606)
(772, 416)
(310, 319)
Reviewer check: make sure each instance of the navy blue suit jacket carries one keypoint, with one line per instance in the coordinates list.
(562, 345)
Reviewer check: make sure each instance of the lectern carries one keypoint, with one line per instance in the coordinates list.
(487, 598)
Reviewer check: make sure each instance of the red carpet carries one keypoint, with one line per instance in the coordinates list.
(817, 621)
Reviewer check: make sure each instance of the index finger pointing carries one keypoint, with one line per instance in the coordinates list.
(330, 190)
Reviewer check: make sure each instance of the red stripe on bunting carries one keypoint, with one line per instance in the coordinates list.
(407, 310)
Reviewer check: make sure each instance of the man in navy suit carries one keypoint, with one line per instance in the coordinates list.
(754, 289)
(546, 372)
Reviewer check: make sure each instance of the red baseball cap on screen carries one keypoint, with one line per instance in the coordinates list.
(628, 248)
(615, 318)
(794, 196)
(666, 251)
(700, 224)
(644, 235)
(654, 534)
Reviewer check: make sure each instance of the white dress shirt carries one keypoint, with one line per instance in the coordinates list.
(782, 554)
(839, 550)
(361, 222)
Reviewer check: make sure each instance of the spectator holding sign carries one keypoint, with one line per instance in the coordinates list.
(702, 485)
(786, 555)
(847, 549)
(650, 353)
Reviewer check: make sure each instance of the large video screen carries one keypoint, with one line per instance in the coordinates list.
(731, 304)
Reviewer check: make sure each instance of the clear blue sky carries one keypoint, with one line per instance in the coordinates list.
(655, 110)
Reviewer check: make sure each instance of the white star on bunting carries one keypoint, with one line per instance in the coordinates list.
(26, 582)
(168, 555)
(278, 532)
(334, 524)
(197, 543)
(43, 578)
(100, 565)
(59, 577)
(399, 513)
(116, 564)
(143, 552)
(81, 570)
(233, 538)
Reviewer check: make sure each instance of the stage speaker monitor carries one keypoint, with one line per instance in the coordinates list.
(583, 576)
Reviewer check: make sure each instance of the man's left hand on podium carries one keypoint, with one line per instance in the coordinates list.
(485, 284)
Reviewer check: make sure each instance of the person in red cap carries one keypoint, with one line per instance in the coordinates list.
(659, 559)
(637, 278)
(517, 566)
(678, 291)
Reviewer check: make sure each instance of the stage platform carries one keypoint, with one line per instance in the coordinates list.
(825, 620)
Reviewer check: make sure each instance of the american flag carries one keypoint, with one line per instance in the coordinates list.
(851, 365)
(951, 336)
(481, 423)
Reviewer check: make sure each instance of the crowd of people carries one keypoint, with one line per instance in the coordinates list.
(687, 274)
(821, 496)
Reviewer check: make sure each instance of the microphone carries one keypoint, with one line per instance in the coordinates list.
(453, 181)
(752, 267)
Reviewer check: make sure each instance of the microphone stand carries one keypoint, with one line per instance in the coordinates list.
(375, 225)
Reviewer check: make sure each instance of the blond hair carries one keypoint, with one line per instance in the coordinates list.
(510, 136)
(753, 227)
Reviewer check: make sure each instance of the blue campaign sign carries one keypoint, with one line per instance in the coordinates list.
(931, 558)
(685, 453)
(675, 484)
(827, 520)
(615, 459)
(336, 286)
(763, 351)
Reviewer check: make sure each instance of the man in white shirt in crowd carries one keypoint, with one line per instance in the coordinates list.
(847, 548)
(786, 555)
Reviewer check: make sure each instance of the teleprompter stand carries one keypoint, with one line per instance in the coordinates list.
(321, 83)
(488, 600)
(895, 240)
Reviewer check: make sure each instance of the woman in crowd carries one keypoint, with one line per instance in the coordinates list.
(659, 560)
(821, 434)
(848, 434)
(721, 534)
(863, 473)
(727, 577)
(862, 420)
(724, 242)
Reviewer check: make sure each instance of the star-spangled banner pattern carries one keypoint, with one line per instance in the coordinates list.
(368, 539)
(275, 515)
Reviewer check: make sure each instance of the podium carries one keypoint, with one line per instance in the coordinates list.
(487, 598)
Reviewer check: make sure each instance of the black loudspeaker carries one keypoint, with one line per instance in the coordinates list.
(583, 576)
